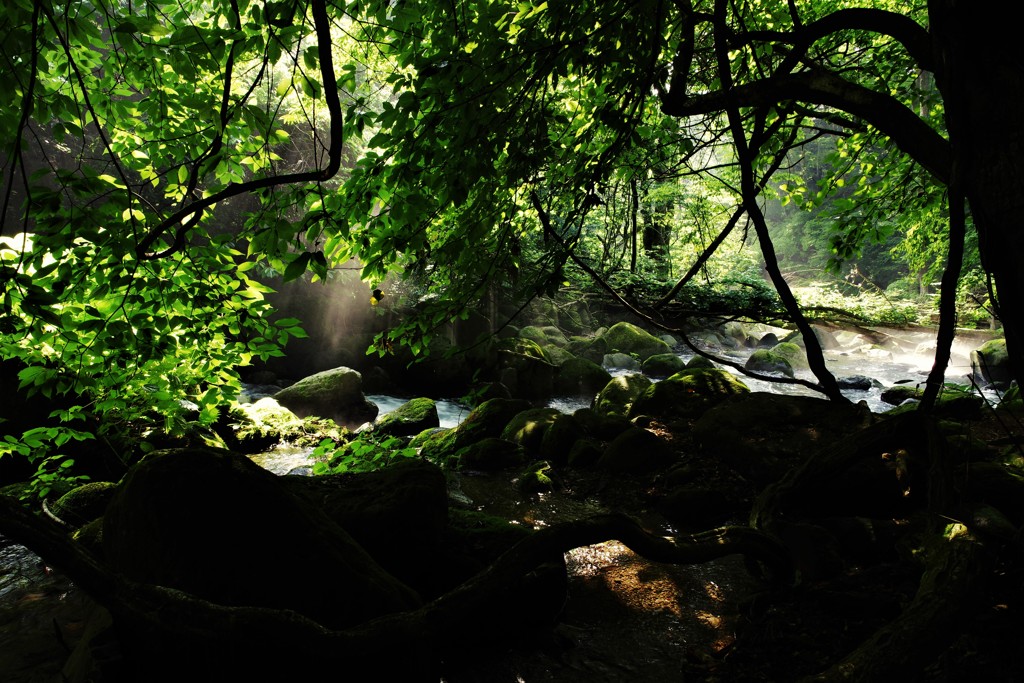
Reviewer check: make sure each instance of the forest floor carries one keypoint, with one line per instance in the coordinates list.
(628, 619)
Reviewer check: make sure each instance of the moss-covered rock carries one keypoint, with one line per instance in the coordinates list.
(765, 361)
(409, 419)
(580, 377)
(617, 397)
(663, 365)
(699, 362)
(524, 368)
(688, 393)
(538, 477)
(793, 353)
(620, 361)
(490, 454)
(486, 420)
(636, 451)
(527, 428)
(215, 525)
(84, 504)
(896, 395)
(336, 394)
(991, 364)
(557, 356)
(584, 453)
(763, 434)
(590, 348)
(559, 439)
(627, 338)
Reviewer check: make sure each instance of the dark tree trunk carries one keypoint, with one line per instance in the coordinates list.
(981, 76)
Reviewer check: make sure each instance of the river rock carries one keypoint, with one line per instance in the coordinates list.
(584, 453)
(409, 419)
(857, 382)
(486, 420)
(900, 393)
(627, 338)
(490, 454)
(617, 397)
(991, 364)
(336, 394)
(213, 524)
(687, 394)
(398, 514)
(83, 504)
(636, 451)
(559, 438)
(527, 428)
(763, 434)
(524, 369)
(580, 377)
(766, 361)
(793, 353)
(620, 361)
(663, 365)
(699, 362)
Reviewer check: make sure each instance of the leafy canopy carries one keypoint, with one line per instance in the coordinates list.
(155, 151)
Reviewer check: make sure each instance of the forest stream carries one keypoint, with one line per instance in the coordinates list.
(626, 619)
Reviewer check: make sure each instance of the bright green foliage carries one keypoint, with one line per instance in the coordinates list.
(364, 453)
(165, 148)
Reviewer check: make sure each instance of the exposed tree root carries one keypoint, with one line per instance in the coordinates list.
(956, 568)
(182, 633)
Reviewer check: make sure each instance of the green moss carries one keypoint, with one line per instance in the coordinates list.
(688, 393)
(618, 395)
(628, 338)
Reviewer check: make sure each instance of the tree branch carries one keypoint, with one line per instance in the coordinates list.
(821, 87)
(188, 216)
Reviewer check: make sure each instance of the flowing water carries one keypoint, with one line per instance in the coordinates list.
(627, 619)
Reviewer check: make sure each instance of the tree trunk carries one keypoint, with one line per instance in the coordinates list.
(981, 78)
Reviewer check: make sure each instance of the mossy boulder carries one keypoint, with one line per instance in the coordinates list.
(699, 362)
(559, 439)
(590, 348)
(627, 338)
(335, 394)
(620, 361)
(766, 361)
(687, 394)
(538, 477)
(486, 420)
(491, 454)
(899, 393)
(764, 434)
(525, 369)
(213, 524)
(663, 365)
(398, 514)
(83, 504)
(991, 364)
(557, 356)
(258, 426)
(580, 377)
(409, 419)
(527, 428)
(584, 453)
(636, 451)
(617, 397)
(793, 353)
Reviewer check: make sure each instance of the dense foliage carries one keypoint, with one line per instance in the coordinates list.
(155, 152)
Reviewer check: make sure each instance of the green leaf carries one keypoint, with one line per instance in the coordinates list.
(297, 267)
